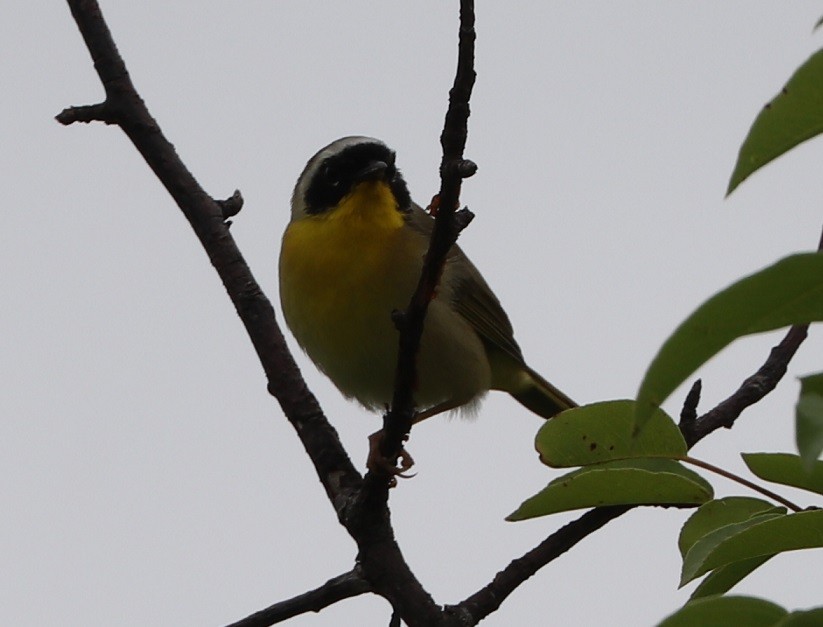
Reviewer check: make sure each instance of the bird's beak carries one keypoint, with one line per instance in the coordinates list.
(374, 171)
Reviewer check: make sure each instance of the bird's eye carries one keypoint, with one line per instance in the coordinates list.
(330, 175)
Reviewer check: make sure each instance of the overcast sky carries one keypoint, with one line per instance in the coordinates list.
(146, 476)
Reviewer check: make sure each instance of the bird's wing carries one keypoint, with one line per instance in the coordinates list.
(470, 294)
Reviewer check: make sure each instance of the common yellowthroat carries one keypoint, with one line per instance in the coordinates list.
(352, 253)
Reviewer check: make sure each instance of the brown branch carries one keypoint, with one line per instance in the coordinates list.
(86, 113)
(124, 107)
(381, 559)
(486, 600)
(381, 562)
(342, 587)
(360, 505)
(741, 480)
(689, 412)
(448, 224)
(750, 391)
(232, 205)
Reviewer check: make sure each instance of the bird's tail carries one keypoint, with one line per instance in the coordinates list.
(542, 397)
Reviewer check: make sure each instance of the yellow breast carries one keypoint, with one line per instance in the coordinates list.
(342, 272)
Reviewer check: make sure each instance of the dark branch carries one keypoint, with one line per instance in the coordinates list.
(369, 523)
(232, 205)
(350, 584)
(689, 412)
(87, 113)
(750, 391)
(380, 561)
(453, 169)
(124, 107)
(486, 600)
(489, 598)
(360, 506)
(753, 389)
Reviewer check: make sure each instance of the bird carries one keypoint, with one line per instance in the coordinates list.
(352, 253)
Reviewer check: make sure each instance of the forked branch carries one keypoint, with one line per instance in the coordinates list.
(360, 506)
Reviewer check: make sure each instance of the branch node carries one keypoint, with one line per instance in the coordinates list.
(752, 390)
(459, 168)
(458, 615)
(466, 168)
(689, 412)
(100, 112)
(462, 218)
(231, 206)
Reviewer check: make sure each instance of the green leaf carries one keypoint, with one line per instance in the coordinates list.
(699, 553)
(721, 513)
(807, 618)
(724, 611)
(715, 515)
(786, 469)
(602, 432)
(723, 579)
(759, 536)
(624, 482)
(788, 292)
(792, 117)
(809, 419)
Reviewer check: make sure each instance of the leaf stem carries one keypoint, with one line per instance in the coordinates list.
(729, 475)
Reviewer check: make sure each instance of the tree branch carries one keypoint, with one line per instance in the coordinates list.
(486, 600)
(360, 504)
(448, 224)
(345, 586)
(752, 390)
(380, 559)
(124, 107)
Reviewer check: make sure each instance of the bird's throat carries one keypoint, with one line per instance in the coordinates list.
(370, 205)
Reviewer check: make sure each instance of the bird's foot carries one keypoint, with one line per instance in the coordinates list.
(377, 462)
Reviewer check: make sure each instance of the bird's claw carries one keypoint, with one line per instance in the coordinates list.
(377, 462)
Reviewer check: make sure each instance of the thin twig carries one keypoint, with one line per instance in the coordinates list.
(741, 480)
(751, 390)
(486, 600)
(345, 586)
(689, 412)
(453, 169)
(381, 564)
(124, 107)
(380, 559)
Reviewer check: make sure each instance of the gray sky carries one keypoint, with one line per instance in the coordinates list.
(148, 479)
